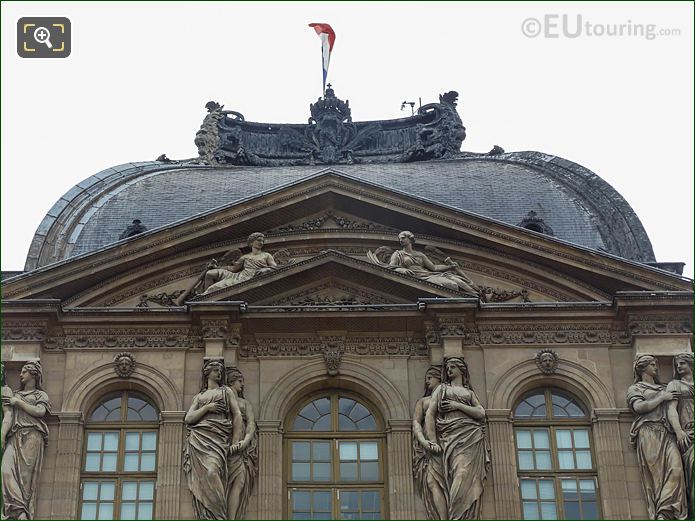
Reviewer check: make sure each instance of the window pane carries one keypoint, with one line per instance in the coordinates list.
(301, 500)
(132, 441)
(369, 471)
(113, 416)
(301, 515)
(546, 490)
(106, 511)
(345, 405)
(572, 510)
(348, 471)
(575, 411)
(149, 441)
(588, 491)
(590, 510)
(128, 511)
(543, 460)
(359, 412)
(94, 441)
(324, 423)
(302, 424)
(581, 438)
(565, 459)
(348, 450)
(145, 511)
(531, 510)
(370, 501)
(108, 464)
(321, 451)
(322, 471)
(300, 471)
(89, 511)
(367, 424)
(91, 464)
(369, 451)
(583, 459)
(108, 491)
(540, 412)
(523, 410)
(525, 460)
(323, 405)
(349, 501)
(129, 491)
(310, 412)
(523, 439)
(90, 490)
(146, 490)
(548, 511)
(541, 439)
(130, 463)
(528, 489)
(300, 451)
(110, 442)
(346, 424)
(564, 438)
(147, 462)
(322, 501)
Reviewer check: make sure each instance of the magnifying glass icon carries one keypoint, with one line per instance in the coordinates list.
(43, 35)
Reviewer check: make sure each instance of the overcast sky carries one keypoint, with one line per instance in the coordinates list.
(140, 74)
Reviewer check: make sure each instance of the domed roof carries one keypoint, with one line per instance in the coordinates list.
(543, 193)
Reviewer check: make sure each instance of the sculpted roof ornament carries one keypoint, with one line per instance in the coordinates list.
(330, 136)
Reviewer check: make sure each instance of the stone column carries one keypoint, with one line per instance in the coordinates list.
(66, 486)
(503, 478)
(608, 451)
(169, 461)
(399, 447)
(270, 483)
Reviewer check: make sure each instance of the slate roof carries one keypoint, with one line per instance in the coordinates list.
(575, 203)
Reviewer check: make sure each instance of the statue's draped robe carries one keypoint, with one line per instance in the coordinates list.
(243, 466)
(23, 457)
(465, 455)
(428, 472)
(658, 456)
(252, 267)
(205, 456)
(413, 264)
(685, 415)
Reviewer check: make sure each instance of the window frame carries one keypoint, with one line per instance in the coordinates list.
(553, 424)
(122, 427)
(335, 437)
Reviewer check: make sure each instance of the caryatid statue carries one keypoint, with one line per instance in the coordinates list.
(24, 442)
(427, 463)
(658, 456)
(680, 417)
(455, 423)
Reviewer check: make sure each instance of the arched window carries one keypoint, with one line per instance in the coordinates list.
(334, 463)
(119, 468)
(555, 462)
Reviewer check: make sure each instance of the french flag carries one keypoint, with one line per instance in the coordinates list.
(327, 36)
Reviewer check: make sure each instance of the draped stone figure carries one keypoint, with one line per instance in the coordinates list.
(657, 452)
(213, 421)
(6, 408)
(456, 420)
(25, 443)
(243, 455)
(427, 464)
(680, 416)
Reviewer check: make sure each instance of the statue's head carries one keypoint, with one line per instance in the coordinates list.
(235, 380)
(124, 364)
(213, 369)
(256, 236)
(455, 365)
(547, 361)
(682, 365)
(406, 236)
(646, 364)
(31, 371)
(433, 377)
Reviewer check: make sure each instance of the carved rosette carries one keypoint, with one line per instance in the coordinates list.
(332, 356)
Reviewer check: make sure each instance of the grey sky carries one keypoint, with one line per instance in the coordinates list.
(140, 74)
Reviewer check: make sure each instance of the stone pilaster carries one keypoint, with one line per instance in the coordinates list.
(452, 333)
(66, 486)
(504, 480)
(608, 451)
(169, 461)
(400, 469)
(270, 482)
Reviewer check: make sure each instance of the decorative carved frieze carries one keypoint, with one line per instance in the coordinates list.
(308, 346)
(499, 334)
(331, 220)
(214, 328)
(124, 338)
(451, 326)
(660, 324)
(163, 299)
(23, 331)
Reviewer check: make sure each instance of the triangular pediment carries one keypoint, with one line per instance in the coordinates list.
(352, 217)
